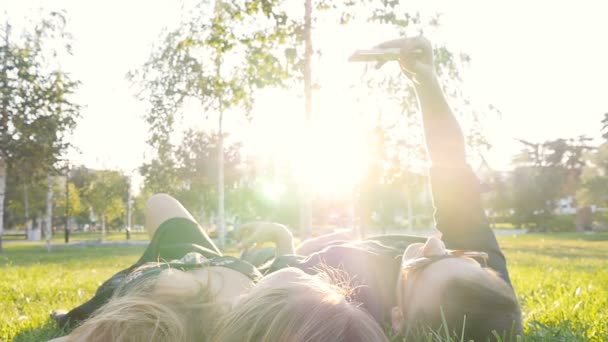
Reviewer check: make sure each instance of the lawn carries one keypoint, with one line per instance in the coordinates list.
(561, 280)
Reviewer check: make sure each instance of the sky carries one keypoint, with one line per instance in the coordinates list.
(543, 64)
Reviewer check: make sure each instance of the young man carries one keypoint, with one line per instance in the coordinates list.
(433, 284)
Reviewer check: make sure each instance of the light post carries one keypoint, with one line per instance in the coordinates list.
(129, 207)
(67, 202)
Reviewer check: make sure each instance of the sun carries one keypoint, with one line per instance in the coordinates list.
(332, 156)
(329, 155)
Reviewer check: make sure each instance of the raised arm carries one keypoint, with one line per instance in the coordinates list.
(260, 232)
(318, 243)
(444, 138)
(278, 234)
(456, 192)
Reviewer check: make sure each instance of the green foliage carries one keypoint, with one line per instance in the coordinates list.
(216, 56)
(605, 126)
(197, 170)
(75, 207)
(106, 195)
(21, 194)
(37, 112)
(195, 186)
(561, 223)
(544, 173)
(138, 209)
(36, 108)
(161, 174)
(391, 187)
(535, 195)
(398, 147)
(595, 178)
(219, 55)
(448, 65)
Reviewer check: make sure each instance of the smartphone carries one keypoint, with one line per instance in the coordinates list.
(375, 55)
(381, 55)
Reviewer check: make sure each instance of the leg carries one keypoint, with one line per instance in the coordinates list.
(174, 232)
(160, 208)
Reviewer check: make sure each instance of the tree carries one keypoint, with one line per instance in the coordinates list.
(49, 212)
(106, 195)
(306, 199)
(139, 208)
(219, 55)
(402, 152)
(197, 166)
(391, 187)
(605, 127)
(595, 179)
(75, 206)
(594, 173)
(544, 173)
(36, 112)
(25, 200)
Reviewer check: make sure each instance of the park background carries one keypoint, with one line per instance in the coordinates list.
(243, 112)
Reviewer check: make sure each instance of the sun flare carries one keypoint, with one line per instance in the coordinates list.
(329, 155)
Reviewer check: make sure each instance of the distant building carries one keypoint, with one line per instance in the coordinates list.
(566, 206)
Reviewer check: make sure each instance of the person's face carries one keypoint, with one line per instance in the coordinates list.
(420, 291)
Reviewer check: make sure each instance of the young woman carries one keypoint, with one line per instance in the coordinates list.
(434, 285)
(183, 289)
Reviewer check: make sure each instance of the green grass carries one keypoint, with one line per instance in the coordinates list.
(561, 281)
(34, 282)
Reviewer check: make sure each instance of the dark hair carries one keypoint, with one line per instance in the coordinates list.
(484, 305)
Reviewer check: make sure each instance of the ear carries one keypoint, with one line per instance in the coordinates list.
(397, 320)
(433, 246)
(414, 250)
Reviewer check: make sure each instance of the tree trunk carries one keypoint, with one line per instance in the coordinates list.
(49, 214)
(306, 200)
(3, 174)
(220, 228)
(359, 213)
(221, 233)
(103, 225)
(408, 194)
(129, 208)
(410, 216)
(4, 117)
(66, 231)
(26, 205)
(129, 203)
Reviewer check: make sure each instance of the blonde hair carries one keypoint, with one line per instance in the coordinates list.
(144, 312)
(309, 309)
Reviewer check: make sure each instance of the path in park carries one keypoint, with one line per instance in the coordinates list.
(97, 242)
(431, 232)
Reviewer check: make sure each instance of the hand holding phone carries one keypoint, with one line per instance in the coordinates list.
(375, 55)
(415, 56)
